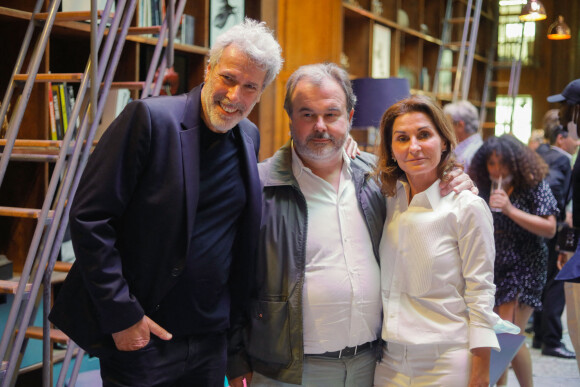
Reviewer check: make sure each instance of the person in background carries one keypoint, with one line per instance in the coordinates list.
(570, 264)
(557, 153)
(164, 225)
(315, 315)
(524, 216)
(436, 272)
(536, 139)
(465, 119)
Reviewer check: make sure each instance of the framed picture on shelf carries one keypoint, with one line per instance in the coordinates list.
(223, 14)
(381, 58)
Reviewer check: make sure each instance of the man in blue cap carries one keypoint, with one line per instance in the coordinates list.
(570, 118)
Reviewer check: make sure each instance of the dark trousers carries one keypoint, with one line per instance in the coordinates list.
(548, 322)
(186, 361)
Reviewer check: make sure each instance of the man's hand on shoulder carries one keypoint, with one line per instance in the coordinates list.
(138, 335)
(457, 181)
(351, 147)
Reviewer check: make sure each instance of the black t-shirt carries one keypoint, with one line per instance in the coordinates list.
(200, 301)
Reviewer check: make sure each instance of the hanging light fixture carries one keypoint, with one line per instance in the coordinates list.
(533, 10)
(559, 30)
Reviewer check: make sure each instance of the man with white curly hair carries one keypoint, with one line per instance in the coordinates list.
(464, 117)
(164, 225)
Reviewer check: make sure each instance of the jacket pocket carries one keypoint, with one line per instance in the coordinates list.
(270, 332)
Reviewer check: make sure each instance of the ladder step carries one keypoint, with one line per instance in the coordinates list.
(34, 143)
(19, 212)
(499, 83)
(65, 77)
(10, 287)
(502, 64)
(63, 267)
(128, 85)
(488, 125)
(455, 44)
(452, 69)
(490, 104)
(56, 335)
(70, 16)
(144, 30)
(28, 157)
(458, 20)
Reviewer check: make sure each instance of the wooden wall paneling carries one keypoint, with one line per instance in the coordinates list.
(309, 32)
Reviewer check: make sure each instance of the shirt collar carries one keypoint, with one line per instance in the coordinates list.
(562, 151)
(473, 139)
(428, 198)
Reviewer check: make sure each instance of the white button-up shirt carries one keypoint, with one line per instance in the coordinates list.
(341, 298)
(437, 256)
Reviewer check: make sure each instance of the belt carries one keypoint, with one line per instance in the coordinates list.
(347, 351)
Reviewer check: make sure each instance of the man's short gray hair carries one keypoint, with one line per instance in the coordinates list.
(316, 73)
(256, 41)
(463, 111)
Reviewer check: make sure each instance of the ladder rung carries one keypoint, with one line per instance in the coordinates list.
(490, 104)
(63, 267)
(34, 143)
(144, 30)
(65, 77)
(499, 83)
(31, 157)
(56, 335)
(455, 44)
(70, 16)
(127, 85)
(452, 69)
(488, 125)
(444, 96)
(39, 143)
(458, 20)
(10, 287)
(502, 64)
(19, 212)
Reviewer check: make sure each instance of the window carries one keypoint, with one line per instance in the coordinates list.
(522, 117)
(509, 34)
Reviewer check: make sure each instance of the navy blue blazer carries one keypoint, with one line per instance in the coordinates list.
(132, 216)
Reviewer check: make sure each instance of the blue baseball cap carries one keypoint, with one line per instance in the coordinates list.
(570, 94)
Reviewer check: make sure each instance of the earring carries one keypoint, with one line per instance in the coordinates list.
(394, 159)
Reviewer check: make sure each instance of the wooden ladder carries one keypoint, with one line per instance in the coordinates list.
(462, 51)
(68, 156)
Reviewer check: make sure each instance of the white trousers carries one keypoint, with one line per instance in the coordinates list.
(424, 365)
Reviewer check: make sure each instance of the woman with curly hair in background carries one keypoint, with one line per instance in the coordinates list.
(524, 214)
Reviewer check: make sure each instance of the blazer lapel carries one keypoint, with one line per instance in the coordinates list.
(190, 157)
(254, 194)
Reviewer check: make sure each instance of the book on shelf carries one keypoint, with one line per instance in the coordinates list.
(72, 101)
(114, 105)
(187, 32)
(83, 5)
(51, 117)
(57, 109)
(60, 103)
(64, 108)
